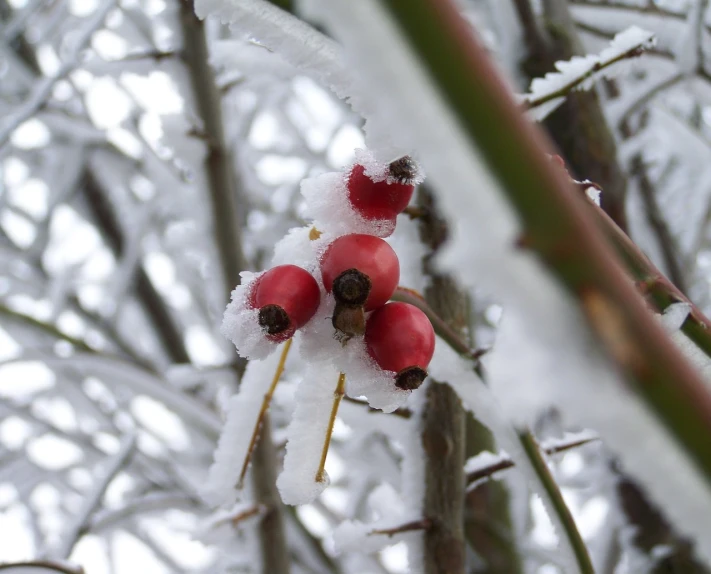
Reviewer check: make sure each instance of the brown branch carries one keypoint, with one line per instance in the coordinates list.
(168, 331)
(45, 565)
(226, 220)
(442, 425)
(423, 524)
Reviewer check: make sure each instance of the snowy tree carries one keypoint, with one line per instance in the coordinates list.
(160, 158)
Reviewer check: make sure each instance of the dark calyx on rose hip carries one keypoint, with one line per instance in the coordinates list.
(400, 338)
(383, 199)
(362, 272)
(287, 297)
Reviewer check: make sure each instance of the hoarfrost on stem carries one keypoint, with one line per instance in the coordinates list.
(242, 412)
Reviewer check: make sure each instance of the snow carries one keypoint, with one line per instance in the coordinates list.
(327, 202)
(242, 413)
(306, 434)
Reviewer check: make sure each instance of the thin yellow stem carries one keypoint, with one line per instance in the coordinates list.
(337, 396)
(265, 406)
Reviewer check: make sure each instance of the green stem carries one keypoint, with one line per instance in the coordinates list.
(529, 444)
(556, 224)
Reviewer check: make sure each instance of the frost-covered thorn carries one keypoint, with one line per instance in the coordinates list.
(423, 524)
(403, 170)
(337, 396)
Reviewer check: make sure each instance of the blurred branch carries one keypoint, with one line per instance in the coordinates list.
(168, 331)
(46, 327)
(110, 518)
(227, 220)
(43, 89)
(42, 566)
(556, 225)
(653, 283)
(92, 501)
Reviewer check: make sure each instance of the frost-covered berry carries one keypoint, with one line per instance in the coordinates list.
(382, 200)
(400, 338)
(286, 296)
(362, 271)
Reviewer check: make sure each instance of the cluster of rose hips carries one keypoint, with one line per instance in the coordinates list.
(362, 272)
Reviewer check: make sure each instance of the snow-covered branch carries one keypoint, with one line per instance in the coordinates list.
(91, 502)
(581, 72)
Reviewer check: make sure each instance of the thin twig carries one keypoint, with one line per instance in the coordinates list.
(43, 566)
(262, 412)
(337, 396)
(81, 522)
(561, 92)
(440, 326)
(423, 524)
(505, 463)
(534, 454)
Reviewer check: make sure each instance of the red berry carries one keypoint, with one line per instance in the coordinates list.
(287, 297)
(382, 200)
(400, 338)
(351, 257)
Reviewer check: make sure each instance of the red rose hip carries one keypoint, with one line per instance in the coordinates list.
(362, 271)
(287, 297)
(400, 338)
(382, 199)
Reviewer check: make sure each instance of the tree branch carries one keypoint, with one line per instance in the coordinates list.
(556, 224)
(534, 454)
(226, 219)
(93, 499)
(43, 89)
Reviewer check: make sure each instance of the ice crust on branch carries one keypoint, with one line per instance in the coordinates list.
(581, 72)
(241, 417)
(306, 432)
